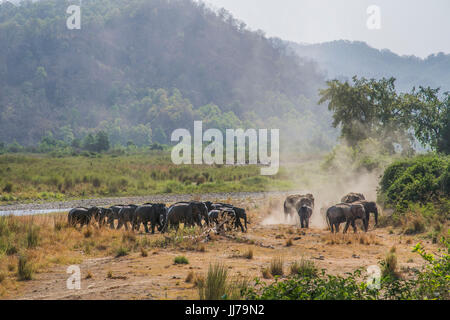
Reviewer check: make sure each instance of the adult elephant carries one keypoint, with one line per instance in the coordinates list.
(294, 202)
(304, 213)
(345, 212)
(352, 197)
(200, 207)
(81, 216)
(185, 212)
(127, 215)
(153, 213)
(369, 207)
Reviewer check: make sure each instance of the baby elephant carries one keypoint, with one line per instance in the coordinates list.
(305, 212)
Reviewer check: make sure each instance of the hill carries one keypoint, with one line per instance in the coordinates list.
(344, 59)
(139, 69)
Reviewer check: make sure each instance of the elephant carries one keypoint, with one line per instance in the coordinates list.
(153, 213)
(240, 213)
(214, 216)
(304, 213)
(114, 214)
(352, 197)
(220, 214)
(184, 212)
(200, 207)
(102, 216)
(127, 214)
(81, 216)
(294, 202)
(369, 207)
(345, 212)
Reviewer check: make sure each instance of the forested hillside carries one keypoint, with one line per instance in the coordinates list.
(138, 69)
(344, 59)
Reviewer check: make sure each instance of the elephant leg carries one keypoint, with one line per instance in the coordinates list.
(337, 227)
(331, 227)
(354, 226)
(307, 223)
(347, 224)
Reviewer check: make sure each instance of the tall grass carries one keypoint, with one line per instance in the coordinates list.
(215, 285)
(44, 177)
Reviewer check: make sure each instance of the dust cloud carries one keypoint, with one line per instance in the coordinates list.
(327, 194)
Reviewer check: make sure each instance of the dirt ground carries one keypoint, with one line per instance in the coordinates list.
(157, 277)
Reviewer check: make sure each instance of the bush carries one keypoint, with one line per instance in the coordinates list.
(24, 269)
(181, 260)
(416, 180)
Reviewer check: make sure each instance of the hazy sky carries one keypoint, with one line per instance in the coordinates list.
(419, 27)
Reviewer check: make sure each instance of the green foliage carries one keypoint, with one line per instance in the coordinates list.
(419, 179)
(373, 109)
(181, 260)
(368, 109)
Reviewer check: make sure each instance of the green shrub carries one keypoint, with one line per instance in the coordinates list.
(181, 260)
(416, 180)
(24, 269)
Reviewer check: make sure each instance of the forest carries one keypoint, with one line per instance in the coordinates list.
(139, 69)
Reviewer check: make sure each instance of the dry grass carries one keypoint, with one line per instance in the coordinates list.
(248, 254)
(303, 267)
(351, 238)
(46, 241)
(276, 266)
(389, 265)
(266, 273)
(289, 242)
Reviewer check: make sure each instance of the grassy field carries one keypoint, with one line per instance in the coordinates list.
(42, 177)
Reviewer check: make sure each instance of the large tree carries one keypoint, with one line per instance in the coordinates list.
(368, 109)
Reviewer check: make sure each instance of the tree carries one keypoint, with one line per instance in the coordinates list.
(430, 118)
(101, 141)
(368, 109)
(89, 143)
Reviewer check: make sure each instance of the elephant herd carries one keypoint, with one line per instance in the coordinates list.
(352, 207)
(157, 215)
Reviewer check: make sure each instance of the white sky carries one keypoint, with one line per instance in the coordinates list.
(408, 27)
